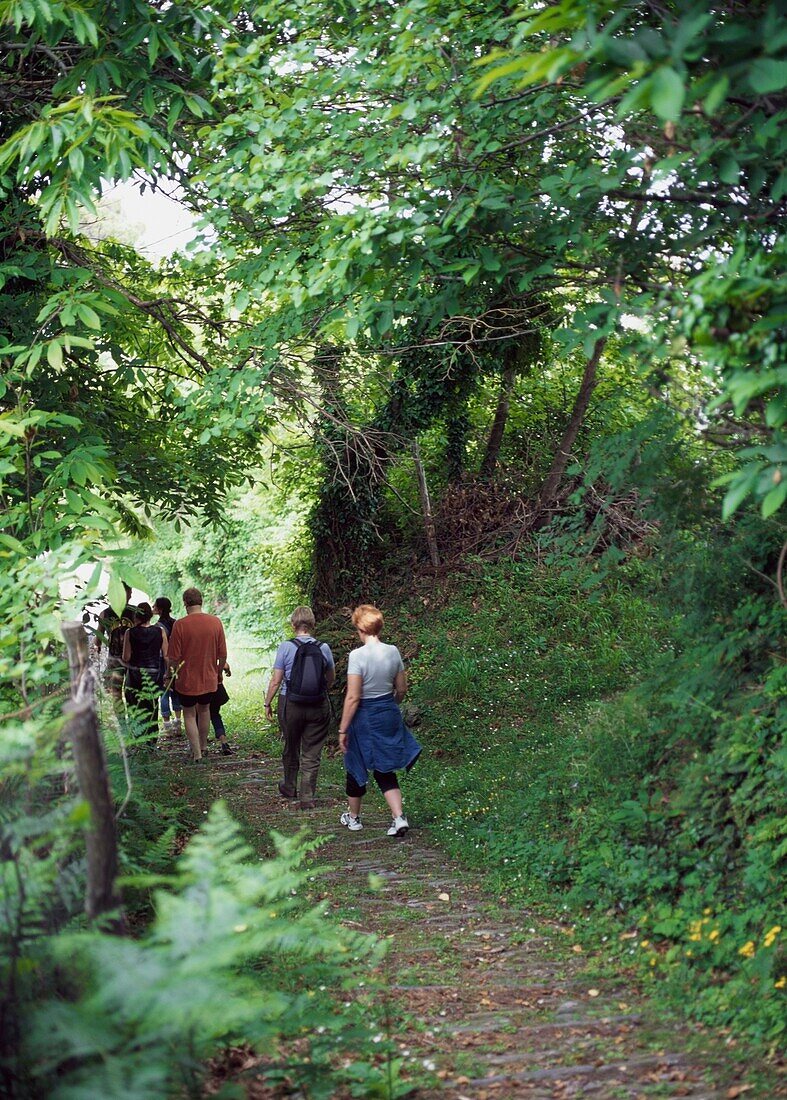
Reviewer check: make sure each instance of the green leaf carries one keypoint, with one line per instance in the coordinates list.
(716, 96)
(116, 593)
(12, 427)
(54, 355)
(88, 316)
(729, 170)
(779, 189)
(773, 500)
(13, 544)
(741, 487)
(767, 75)
(133, 576)
(667, 92)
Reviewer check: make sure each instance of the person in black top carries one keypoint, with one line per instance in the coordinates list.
(144, 650)
(111, 632)
(170, 703)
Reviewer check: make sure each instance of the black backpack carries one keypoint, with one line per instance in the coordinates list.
(307, 677)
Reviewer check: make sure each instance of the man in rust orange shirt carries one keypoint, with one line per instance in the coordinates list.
(197, 652)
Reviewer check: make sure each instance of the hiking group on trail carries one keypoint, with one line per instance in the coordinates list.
(179, 665)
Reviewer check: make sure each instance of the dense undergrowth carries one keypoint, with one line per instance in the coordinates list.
(617, 751)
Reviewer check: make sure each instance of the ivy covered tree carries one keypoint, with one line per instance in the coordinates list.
(423, 177)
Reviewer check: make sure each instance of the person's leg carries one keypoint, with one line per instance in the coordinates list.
(219, 730)
(313, 737)
(177, 709)
(290, 729)
(216, 721)
(389, 785)
(166, 712)
(203, 724)
(114, 681)
(355, 792)
(192, 730)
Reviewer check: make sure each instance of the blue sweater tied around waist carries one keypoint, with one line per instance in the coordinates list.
(379, 740)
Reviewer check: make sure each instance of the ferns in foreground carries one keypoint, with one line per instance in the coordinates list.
(234, 953)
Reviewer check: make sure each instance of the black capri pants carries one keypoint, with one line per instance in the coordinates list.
(386, 781)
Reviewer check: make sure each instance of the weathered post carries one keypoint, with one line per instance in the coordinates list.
(90, 763)
(426, 506)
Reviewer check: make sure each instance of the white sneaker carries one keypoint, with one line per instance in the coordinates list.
(352, 822)
(399, 826)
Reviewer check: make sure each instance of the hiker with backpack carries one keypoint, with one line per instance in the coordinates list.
(372, 733)
(303, 674)
(111, 632)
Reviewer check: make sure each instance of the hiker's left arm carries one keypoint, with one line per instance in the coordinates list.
(351, 701)
(273, 687)
(400, 685)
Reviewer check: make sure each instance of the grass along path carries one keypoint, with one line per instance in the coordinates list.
(479, 1000)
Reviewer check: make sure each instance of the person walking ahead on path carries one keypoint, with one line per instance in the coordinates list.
(303, 674)
(372, 733)
(197, 650)
(220, 697)
(110, 632)
(144, 650)
(169, 697)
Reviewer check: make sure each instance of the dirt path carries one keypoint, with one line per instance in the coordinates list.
(485, 1000)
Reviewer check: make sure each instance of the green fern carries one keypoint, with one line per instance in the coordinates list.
(149, 1012)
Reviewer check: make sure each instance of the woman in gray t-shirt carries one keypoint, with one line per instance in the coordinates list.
(372, 734)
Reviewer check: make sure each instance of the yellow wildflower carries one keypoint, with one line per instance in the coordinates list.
(707, 912)
(644, 943)
(780, 984)
(747, 950)
(772, 934)
(713, 935)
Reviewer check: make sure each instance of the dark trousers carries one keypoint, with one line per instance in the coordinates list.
(216, 720)
(304, 729)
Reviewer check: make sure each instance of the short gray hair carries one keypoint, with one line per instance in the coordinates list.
(303, 617)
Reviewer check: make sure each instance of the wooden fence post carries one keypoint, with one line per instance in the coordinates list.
(90, 764)
(426, 506)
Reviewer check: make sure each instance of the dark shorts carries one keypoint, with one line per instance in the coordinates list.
(192, 700)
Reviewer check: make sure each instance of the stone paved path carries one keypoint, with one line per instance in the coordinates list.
(494, 1002)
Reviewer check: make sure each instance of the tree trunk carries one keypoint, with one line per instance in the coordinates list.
(548, 493)
(495, 441)
(91, 771)
(426, 506)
